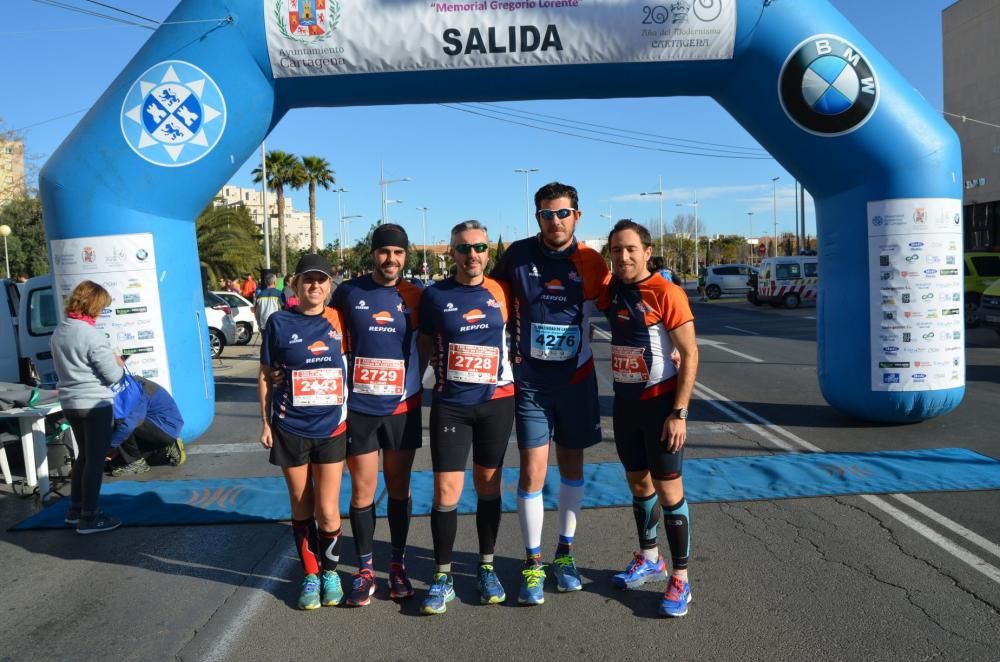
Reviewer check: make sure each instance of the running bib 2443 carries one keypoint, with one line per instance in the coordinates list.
(319, 387)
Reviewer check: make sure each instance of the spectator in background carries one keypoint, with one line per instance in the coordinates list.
(22, 277)
(233, 285)
(249, 289)
(86, 367)
(659, 266)
(269, 301)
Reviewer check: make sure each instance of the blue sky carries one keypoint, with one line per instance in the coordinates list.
(462, 165)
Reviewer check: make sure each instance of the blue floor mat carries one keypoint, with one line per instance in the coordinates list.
(746, 478)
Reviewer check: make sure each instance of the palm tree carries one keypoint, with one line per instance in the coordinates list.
(228, 241)
(283, 169)
(317, 173)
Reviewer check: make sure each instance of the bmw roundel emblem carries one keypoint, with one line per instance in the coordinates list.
(827, 87)
(174, 114)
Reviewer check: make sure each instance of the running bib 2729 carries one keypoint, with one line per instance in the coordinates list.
(378, 376)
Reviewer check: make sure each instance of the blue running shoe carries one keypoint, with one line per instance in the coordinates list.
(639, 571)
(677, 598)
(567, 576)
(490, 590)
(309, 597)
(442, 592)
(532, 585)
(332, 592)
(362, 588)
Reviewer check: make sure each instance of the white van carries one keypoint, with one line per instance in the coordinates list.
(788, 280)
(28, 316)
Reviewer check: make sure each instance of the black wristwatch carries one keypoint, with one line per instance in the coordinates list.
(681, 413)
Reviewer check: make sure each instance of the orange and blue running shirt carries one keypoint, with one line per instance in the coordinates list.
(642, 315)
(381, 323)
(554, 293)
(471, 357)
(309, 350)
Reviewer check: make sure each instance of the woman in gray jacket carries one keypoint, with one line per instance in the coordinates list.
(87, 367)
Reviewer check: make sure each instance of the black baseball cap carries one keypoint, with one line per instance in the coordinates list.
(313, 262)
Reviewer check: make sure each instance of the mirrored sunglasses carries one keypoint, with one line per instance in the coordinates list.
(549, 214)
(465, 249)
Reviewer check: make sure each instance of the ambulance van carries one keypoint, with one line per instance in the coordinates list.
(788, 281)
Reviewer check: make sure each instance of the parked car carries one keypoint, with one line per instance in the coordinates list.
(246, 321)
(981, 271)
(727, 279)
(988, 313)
(786, 281)
(221, 327)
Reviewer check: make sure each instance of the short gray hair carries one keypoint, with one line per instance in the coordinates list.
(270, 279)
(471, 224)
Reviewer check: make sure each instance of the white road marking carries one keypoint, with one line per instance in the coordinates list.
(809, 317)
(701, 341)
(950, 524)
(206, 449)
(736, 328)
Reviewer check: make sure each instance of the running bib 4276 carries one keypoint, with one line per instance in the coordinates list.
(473, 364)
(554, 342)
(378, 376)
(628, 365)
(319, 387)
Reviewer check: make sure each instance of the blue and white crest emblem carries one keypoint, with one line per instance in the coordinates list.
(174, 114)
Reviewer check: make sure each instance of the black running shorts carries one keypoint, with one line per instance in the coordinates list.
(485, 428)
(367, 433)
(638, 426)
(291, 450)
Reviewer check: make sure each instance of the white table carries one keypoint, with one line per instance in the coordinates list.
(31, 421)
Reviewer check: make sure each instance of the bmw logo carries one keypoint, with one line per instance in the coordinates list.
(827, 87)
(174, 114)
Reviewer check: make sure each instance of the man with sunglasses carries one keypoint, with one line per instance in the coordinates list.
(554, 284)
(383, 411)
(463, 324)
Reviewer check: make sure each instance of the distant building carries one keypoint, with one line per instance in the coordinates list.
(11, 170)
(296, 221)
(971, 72)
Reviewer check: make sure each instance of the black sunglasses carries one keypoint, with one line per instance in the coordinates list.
(465, 249)
(549, 214)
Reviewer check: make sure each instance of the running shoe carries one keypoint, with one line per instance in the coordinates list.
(332, 592)
(677, 598)
(362, 588)
(400, 587)
(532, 584)
(176, 455)
(140, 466)
(99, 523)
(309, 597)
(442, 592)
(72, 517)
(490, 590)
(639, 571)
(567, 576)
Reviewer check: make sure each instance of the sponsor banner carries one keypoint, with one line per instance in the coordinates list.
(331, 37)
(916, 294)
(125, 266)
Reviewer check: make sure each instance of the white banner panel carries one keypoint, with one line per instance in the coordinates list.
(329, 37)
(916, 297)
(124, 265)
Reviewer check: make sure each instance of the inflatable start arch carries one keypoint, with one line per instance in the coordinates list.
(121, 193)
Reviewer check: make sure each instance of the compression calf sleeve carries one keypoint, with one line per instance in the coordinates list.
(330, 549)
(646, 511)
(444, 527)
(531, 514)
(304, 531)
(678, 530)
(488, 512)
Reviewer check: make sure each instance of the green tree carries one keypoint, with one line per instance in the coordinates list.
(27, 249)
(228, 242)
(283, 169)
(317, 173)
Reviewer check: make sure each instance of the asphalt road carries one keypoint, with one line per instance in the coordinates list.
(859, 577)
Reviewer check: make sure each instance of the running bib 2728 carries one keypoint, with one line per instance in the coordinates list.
(473, 364)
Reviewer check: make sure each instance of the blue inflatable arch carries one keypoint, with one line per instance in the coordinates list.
(121, 193)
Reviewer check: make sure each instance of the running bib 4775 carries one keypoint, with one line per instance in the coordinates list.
(323, 386)
(473, 364)
(554, 342)
(378, 376)
(628, 365)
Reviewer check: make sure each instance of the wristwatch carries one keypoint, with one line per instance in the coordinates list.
(681, 413)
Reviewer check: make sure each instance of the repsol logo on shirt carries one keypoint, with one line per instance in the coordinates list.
(523, 39)
(382, 329)
(319, 359)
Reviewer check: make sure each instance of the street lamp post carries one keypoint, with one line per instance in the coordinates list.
(774, 202)
(659, 192)
(384, 184)
(5, 232)
(263, 203)
(345, 227)
(527, 201)
(749, 236)
(695, 205)
(423, 223)
(340, 216)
